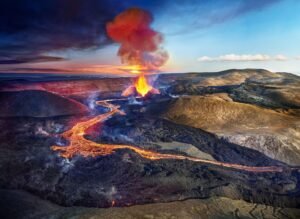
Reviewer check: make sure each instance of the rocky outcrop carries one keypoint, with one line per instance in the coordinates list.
(277, 146)
(283, 92)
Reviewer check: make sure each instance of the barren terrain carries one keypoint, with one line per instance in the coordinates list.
(211, 145)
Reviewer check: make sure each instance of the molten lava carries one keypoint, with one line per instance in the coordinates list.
(79, 145)
(142, 86)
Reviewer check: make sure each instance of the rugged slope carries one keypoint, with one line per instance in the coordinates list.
(239, 122)
(235, 77)
(268, 129)
(283, 92)
(192, 83)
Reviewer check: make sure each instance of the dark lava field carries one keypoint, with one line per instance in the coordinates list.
(249, 118)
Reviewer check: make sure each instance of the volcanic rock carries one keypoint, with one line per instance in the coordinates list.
(28, 163)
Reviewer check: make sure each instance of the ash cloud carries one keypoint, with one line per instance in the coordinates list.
(139, 43)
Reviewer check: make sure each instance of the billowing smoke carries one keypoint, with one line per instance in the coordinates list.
(139, 44)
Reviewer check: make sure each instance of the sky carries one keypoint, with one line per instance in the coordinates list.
(69, 36)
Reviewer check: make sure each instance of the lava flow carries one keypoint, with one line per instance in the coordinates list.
(79, 145)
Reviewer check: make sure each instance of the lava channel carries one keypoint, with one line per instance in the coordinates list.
(79, 145)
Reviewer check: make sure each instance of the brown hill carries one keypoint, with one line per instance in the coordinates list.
(235, 77)
(37, 103)
(218, 113)
(274, 133)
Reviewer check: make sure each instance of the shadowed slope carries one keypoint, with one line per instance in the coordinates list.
(36, 103)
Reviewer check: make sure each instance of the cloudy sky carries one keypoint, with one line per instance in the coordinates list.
(200, 35)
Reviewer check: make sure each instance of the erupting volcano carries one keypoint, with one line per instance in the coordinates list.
(140, 47)
(135, 109)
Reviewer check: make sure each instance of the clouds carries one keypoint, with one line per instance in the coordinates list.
(29, 30)
(30, 59)
(234, 58)
(280, 58)
(92, 69)
(243, 58)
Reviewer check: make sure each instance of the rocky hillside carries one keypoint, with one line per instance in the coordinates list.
(254, 108)
(274, 133)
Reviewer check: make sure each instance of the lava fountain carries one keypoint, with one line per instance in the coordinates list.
(141, 86)
(140, 47)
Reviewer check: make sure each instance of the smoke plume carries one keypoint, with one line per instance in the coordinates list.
(139, 43)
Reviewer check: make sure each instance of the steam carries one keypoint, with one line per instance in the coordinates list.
(139, 44)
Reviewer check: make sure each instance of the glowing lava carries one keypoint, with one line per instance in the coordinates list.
(79, 145)
(142, 86)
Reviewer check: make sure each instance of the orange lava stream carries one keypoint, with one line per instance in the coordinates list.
(78, 144)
